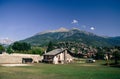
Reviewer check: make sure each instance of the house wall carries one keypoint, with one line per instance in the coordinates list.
(55, 60)
(17, 58)
(68, 57)
(63, 57)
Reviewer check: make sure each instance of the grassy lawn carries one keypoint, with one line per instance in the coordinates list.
(65, 71)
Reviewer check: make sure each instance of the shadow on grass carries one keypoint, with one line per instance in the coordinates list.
(112, 65)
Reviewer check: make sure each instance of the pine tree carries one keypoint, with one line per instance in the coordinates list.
(50, 46)
(1, 49)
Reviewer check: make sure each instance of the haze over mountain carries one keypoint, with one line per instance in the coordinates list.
(73, 35)
(6, 41)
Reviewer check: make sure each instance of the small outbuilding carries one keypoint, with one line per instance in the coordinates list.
(58, 56)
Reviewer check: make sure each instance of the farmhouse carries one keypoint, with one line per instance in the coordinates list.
(58, 56)
(19, 58)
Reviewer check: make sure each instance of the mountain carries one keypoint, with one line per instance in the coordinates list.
(115, 41)
(72, 35)
(6, 41)
(53, 31)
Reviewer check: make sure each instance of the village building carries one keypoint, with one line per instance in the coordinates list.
(17, 58)
(58, 56)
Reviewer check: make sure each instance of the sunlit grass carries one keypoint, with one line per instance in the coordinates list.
(62, 71)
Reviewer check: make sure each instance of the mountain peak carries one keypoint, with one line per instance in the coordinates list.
(73, 35)
(62, 29)
(6, 41)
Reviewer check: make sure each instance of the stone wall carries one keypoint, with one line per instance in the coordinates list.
(17, 58)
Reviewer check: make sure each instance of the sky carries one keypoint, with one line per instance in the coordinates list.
(20, 19)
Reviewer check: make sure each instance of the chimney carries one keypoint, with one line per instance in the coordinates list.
(61, 48)
(45, 51)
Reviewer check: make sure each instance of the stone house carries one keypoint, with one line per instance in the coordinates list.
(58, 56)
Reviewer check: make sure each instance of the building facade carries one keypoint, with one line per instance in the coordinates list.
(58, 56)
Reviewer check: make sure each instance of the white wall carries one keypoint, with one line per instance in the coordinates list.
(17, 58)
(64, 57)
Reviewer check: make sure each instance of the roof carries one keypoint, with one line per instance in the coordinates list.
(54, 52)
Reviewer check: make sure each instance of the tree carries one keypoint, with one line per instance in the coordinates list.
(2, 49)
(9, 50)
(76, 50)
(116, 54)
(36, 50)
(50, 46)
(100, 53)
(21, 46)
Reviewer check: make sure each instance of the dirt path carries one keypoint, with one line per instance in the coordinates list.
(12, 65)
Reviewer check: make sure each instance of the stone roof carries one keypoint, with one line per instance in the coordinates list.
(54, 52)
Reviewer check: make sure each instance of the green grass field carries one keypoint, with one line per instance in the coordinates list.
(63, 71)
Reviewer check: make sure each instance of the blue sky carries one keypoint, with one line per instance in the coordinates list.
(20, 19)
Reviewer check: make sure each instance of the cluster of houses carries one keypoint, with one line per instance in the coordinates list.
(57, 56)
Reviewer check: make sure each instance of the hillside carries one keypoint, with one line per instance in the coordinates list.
(73, 35)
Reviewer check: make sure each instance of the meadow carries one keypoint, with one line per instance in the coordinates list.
(60, 71)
